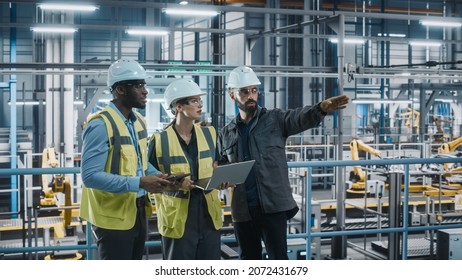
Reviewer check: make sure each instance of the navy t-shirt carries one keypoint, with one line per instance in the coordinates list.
(251, 182)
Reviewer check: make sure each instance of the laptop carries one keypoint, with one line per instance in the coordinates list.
(234, 173)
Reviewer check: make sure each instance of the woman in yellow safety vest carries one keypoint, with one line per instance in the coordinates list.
(189, 221)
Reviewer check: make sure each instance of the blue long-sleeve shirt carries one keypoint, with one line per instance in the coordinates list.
(95, 152)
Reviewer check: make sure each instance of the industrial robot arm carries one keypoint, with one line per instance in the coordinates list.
(48, 160)
(451, 146)
(413, 117)
(358, 175)
(438, 122)
(59, 184)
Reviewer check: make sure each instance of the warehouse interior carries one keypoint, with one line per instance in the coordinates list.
(379, 180)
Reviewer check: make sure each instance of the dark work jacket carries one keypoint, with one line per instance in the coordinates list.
(267, 141)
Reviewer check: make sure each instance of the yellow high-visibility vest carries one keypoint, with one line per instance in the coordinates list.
(117, 210)
(172, 207)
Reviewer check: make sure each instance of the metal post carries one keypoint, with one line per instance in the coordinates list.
(405, 211)
(218, 96)
(339, 244)
(394, 215)
(13, 127)
(308, 212)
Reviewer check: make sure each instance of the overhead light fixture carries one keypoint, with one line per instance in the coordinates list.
(34, 103)
(348, 41)
(422, 43)
(397, 35)
(441, 23)
(26, 103)
(147, 32)
(68, 7)
(156, 100)
(53, 29)
(183, 3)
(190, 12)
(444, 100)
(381, 101)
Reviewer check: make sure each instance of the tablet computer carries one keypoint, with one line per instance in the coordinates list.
(234, 173)
(177, 177)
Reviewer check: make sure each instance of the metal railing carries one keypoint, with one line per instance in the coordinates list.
(309, 235)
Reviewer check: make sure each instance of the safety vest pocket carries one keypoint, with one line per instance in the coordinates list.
(129, 158)
(171, 215)
(113, 205)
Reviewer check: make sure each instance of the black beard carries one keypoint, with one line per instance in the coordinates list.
(250, 109)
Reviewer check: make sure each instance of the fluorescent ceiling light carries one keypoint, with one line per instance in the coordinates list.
(441, 23)
(21, 103)
(398, 35)
(53, 29)
(444, 100)
(190, 12)
(348, 41)
(32, 103)
(156, 100)
(68, 7)
(380, 101)
(425, 43)
(147, 32)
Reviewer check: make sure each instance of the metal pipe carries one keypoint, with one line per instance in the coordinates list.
(67, 87)
(292, 164)
(405, 212)
(339, 243)
(13, 115)
(39, 171)
(363, 71)
(230, 8)
(308, 212)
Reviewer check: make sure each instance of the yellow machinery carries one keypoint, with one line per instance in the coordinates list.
(59, 184)
(358, 176)
(48, 160)
(450, 183)
(440, 136)
(450, 147)
(413, 117)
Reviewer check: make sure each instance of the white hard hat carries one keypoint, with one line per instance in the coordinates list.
(125, 70)
(242, 76)
(180, 89)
